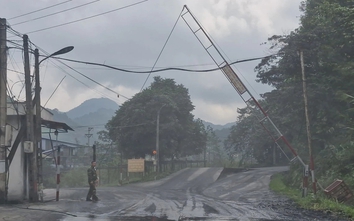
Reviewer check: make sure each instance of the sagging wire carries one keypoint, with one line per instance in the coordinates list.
(163, 47)
(159, 70)
(81, 75)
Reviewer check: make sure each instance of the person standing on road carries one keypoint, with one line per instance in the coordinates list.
(92, 180)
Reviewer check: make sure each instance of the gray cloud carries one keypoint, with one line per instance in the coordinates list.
(133, 37)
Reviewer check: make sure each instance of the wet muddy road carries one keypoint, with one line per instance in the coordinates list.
(191, 194)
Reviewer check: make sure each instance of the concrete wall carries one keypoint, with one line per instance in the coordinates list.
(18, 171)
(17, 175)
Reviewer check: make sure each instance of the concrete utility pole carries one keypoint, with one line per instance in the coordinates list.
(309, 139)
(38, 123)
(32, 157)
(205, 152)
(3, 108)
(158, 140)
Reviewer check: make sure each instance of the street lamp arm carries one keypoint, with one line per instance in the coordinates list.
(61, 51)
(161, 108)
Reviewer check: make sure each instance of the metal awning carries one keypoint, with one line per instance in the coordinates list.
(59, 126)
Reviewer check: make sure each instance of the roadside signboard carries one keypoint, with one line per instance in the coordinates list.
(136, 165)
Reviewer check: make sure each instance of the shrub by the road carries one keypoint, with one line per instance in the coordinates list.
(318, 202)
(74, 178)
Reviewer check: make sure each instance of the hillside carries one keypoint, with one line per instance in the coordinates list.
(218, 126)
(221, 131)
(93, 113)
(93, 105)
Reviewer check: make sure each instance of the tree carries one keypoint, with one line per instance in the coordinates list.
(326, 37)
(249, 141)
(216, 155)
(133, 127)
(108, 151)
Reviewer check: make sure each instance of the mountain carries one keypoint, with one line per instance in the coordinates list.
(93, 113)
(217, 126)
(63, 117)
(221, 131)
(91, 106)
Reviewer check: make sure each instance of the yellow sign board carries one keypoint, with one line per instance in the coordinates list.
(234, 79)
(136, 165)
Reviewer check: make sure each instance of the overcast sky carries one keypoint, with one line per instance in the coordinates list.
(133, 37)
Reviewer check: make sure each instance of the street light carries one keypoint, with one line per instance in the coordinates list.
(38, 88)
(61, 51)
(37, 101)
(157, 139)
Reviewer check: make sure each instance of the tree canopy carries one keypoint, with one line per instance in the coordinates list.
(134, 125)
(326, 37)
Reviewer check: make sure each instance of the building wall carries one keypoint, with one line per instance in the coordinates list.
(18, 172)
(17, 175)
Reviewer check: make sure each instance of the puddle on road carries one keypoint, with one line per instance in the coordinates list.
(115, 218)
(151, 218)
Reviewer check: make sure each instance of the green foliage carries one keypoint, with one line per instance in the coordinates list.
(216, 155)
(320, 202)
(74, 178)
(326, 37)
(134, 126)
(249, 141)
(108, 153)
(68, 178)
(50, 181)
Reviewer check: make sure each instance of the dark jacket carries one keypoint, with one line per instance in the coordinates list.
(91, 174)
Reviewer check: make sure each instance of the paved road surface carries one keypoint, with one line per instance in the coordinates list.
(190, 194)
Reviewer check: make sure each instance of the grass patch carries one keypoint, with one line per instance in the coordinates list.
(318, 202)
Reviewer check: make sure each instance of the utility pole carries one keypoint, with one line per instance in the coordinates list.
(274, 155)
(158, 139)
(307, 122)
(32, 157)
(3, 108)
(94, 152)
(157, 142)
(38, 123)
(205, 150)
(88, 135)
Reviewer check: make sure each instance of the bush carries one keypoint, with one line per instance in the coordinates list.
(74, 178)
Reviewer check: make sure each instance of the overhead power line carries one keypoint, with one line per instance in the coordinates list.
(67, 23)
(40, 10)
(85, 76)
(159, 70)
(54, 91)
(14, 32)
(158, 57)
(68, 72)
(55, 13)
(15, 71)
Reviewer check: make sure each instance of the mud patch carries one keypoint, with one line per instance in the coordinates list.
(151, 208)
(119, 218)
(208, 209)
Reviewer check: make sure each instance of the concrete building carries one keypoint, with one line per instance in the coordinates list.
(16, 161)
